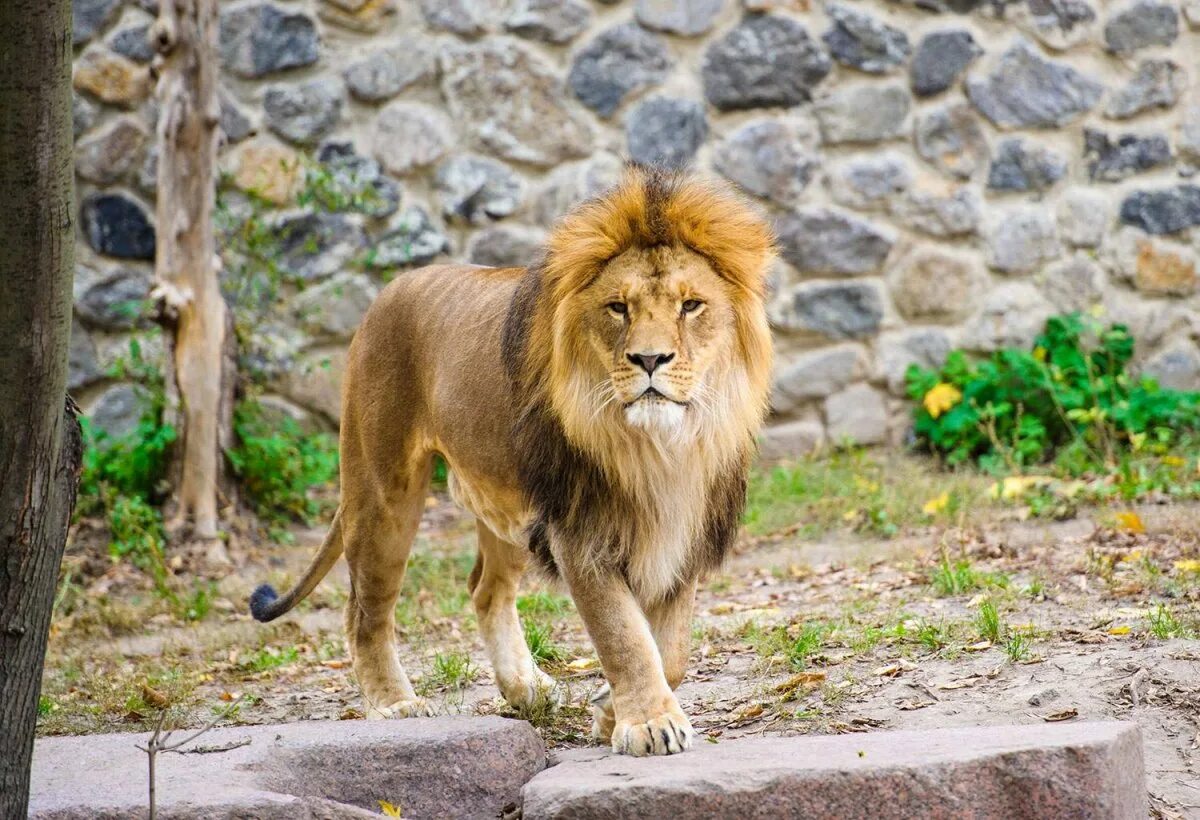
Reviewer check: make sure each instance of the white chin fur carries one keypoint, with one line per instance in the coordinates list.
(656, 416)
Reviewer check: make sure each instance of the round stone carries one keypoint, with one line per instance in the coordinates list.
(665, 131)
(117, 225)
(1140, 25)
(551, 21)
(385, 72)
(1025, 90)
(116, 301)
(837, 310)
(258, 39)
(863, 113)
(1021, 239)
(304, 113)
(477, 189)
(1019, 165)
(940, 60)
(766, 60)
(616, 63)
(770, 157)
(412, 240)
(951, 138)
(506, 246)
(932, 285)
(687, 18)
(410, 135)
(824, 241)
(860, 41)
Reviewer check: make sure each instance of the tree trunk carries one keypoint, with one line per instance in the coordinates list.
(40, 445)
(199, 383)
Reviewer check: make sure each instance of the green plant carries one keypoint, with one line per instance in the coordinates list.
(452, 670)
(539, 637)
(959, 577)
(1164, 624)
(269, 658)
(1017, 645)
(991, 627)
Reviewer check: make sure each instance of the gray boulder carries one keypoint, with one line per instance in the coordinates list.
(665, 131)
(766, 60)
(1025, 90)
(617, 63)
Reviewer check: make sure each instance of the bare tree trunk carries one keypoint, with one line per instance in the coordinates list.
(40, 445)
(185, 36)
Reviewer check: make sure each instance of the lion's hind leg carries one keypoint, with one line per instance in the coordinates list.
(494, 584)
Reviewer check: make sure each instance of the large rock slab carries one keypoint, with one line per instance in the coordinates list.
(1089, 770)
(468, 767)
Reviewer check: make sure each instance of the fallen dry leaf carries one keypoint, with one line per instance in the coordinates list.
(1065, 714)
(154, 698)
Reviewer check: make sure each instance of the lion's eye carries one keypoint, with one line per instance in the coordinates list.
(619, 308)
(692, 305)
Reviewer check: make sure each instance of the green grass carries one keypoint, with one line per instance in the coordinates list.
(539, 637)
(959, 577)
(1018, 644)
(270, 657)
(452, 670)
(542, 603)
(794, 645)
(990, 626)
(1164, 624)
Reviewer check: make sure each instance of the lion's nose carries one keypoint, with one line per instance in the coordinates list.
(649, 361)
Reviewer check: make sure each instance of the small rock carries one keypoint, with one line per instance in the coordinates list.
(270, 350)
(83, 368)
(934, 285)
(236, 123)
(1157, 84)
(1060, 24)
(84, 114)
(118, 409)
(1165, 270)
(385, 72)
(616, 63)
(1020, 165)
(304, 113)
(470, 18)
(314, 381)
(410, 135)
(951, 138)
(1013, 315)
(90, 17)
(1113, 159)
(336, 306)
(941, 59)
(369, 17)
(477, 189)
(793, 439)
(926, 347)
(815, 375)
(1166, 210)
(1021, 240)
(860, 41)
(110, 153)
(665, 131)
(314, 245)
(357, 183)
(133, 42)
(116, 225)
(261, 38)
(147, 175)
(1191, 11)
(1176, 368)
(1142, 24)
(514, 101)
(863, 113)
(572, 183)
(856, 416)
(688, 18)
(506, 246)
(770, 157)
(1075, 284)
(116, 301)
(551, 21)
(838, 310)
(277, 411)
(1084, 217)
(939, 210)
(111, 78)
(412, 240)
(766, 60)
(267, 169)
(1188, 142)
(824, 241)
(870, 182)
(1024, 90)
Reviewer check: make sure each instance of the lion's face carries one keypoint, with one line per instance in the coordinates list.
(656, 321)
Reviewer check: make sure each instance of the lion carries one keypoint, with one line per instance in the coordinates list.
(597, 411)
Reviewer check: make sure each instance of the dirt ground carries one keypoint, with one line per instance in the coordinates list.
(1002, 622)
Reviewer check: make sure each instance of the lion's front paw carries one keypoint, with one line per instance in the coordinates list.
(540, 690)
(667, 734)
(603, 718)
(414, 707)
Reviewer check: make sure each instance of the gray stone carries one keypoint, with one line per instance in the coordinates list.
(469, 18)
(790, 440)
(412, 240)
(941, 58)
(1060, 24)
(1084, 217)
(1161, 211)
(1176, 368)
(277, 412)
(133, 42)
(551, 21)
(118, 409)
(83, 368)
(925, 347)
(1075, 283)
(863, 113)
(1188, 141)
(665, 131)
(357, 183)
(824, 241)
(147, 175)
(1021, 239)
(477, 189)
(236, 123)
(506, 246)
(856, 416)
(572, 183)
(870, 182)
(770, 157)
(1141, 24)
(1013, 315)
(385, 72)
(951, 139)
(111, 152)
(117, 225)
(314, 245)
(310, 769)
(935, 285)
(1191, 12)
(1157, 84)
(860, 41)
(1023, 165)
(839, 310)
(617, 63)
(116, 301)
(817, 374)
(684, 17)
(307, 112)
(313, 380)
(261, 38)
(84, 114)
(336, 306)
(410, 135)
(1025, 90)
(766, 60)
(1112, 159)
(90, 17)
(939, 210)
(514, 102)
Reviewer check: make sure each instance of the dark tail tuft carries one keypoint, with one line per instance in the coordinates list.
(260, 603)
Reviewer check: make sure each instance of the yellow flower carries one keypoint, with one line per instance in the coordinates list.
(1174, 461)
(1039, 353)
(941, 398)
(389, 809)
(1190, 565)
(1130, 521)
(936, 505)
(1017, 486)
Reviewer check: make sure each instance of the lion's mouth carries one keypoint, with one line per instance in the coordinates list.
(651, 394)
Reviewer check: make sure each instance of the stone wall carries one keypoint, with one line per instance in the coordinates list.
(941, 172)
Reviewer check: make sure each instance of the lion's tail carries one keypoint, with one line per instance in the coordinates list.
(265, 603)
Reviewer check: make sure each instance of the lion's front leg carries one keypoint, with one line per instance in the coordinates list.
(647, 716)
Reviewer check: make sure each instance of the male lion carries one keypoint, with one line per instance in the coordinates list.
(597, 410)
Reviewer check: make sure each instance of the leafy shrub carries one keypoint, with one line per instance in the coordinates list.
(1070, 398)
